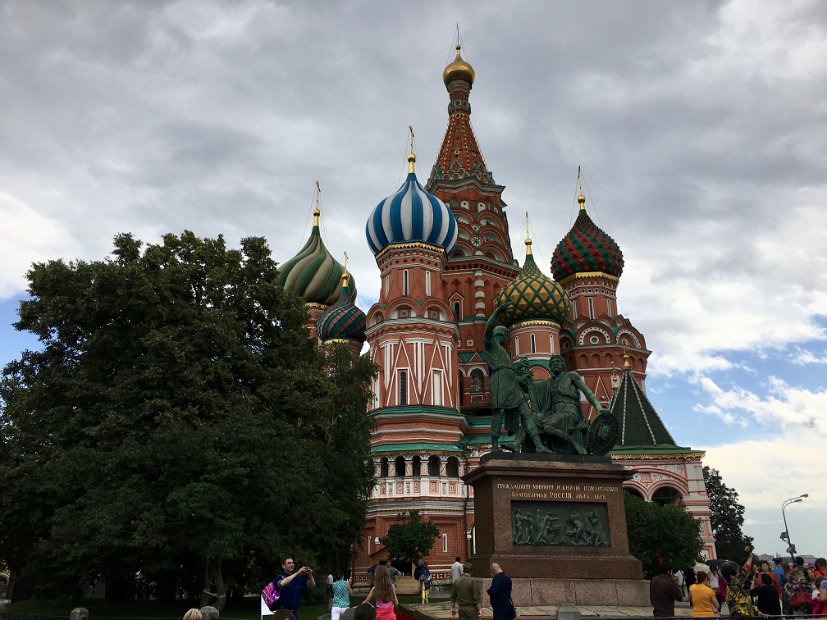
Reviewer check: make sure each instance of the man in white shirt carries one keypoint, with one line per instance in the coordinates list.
(456, 570)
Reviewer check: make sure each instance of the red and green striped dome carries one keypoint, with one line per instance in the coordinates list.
(343, 320)
(313, 273)
(586, 248)
(535, 296)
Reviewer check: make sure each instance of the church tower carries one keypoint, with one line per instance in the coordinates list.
(588, 263)
(413, 340)
(481, 263)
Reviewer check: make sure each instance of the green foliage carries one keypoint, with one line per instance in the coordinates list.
(411, 538)
(177, 420)
(726, 518)
(661, 534)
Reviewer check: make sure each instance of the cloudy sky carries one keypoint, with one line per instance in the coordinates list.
(701, 128)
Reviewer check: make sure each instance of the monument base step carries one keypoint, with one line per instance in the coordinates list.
(545, 591)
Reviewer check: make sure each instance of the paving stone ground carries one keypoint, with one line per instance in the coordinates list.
(442, 611)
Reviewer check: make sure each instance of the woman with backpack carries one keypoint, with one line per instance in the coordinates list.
(425, 582)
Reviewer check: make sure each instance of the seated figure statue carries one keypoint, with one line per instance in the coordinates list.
(557, 401)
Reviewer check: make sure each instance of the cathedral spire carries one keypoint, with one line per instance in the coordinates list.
(459, 156)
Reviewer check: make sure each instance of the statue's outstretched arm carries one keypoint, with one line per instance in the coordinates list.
(581, 385)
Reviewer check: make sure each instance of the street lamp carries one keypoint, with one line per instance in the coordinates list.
(785, 535)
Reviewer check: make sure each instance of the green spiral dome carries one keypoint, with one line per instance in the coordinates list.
(535, 296)
(313, 273)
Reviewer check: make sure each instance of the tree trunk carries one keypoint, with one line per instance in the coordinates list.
(214, 586)
(220, 586)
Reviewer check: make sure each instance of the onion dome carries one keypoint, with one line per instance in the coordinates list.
(458, 70)
(535, 297)
(586, 248)
(343, 320)
(313, 273)
(411, 215)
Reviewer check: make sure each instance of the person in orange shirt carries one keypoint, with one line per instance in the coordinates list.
(703, 599)
(765, 570)
(821, 568)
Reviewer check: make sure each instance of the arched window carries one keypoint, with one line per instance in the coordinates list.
(477, 379)
(433, 466)
(400, 466)
(666, 496)
(634, 493)
(383, 467)
(416, 467)
(452, 467)
(457, 308)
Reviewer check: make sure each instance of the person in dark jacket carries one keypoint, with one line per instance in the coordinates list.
(500, 593)
(767, 600)
(663, 592)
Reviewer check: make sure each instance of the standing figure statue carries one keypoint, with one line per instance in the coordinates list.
(560, 417)
(507, 398)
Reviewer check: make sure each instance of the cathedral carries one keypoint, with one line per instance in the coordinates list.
(445, 262)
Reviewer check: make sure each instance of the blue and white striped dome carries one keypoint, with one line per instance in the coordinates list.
(409, 215)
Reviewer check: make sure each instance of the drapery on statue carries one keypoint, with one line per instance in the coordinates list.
(507, 398)
(549, 409)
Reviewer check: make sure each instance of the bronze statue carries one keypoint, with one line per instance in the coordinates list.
(558, 403)
(546, 410)
(507, 398)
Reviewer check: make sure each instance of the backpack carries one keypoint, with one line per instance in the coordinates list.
(426, 580)
(271, 594)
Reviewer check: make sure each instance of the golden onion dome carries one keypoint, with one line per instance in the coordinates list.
(458, 70)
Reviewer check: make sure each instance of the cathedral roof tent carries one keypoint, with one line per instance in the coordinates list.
(313, 273)
(462, 180)
(459, 156)
(641, 429)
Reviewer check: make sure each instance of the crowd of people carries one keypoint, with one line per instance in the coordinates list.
(753, 590)
(283, 596)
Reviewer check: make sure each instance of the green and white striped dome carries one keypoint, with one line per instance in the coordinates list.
(313, 273)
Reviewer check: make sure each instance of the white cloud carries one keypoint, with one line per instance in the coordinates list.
(802, 357)
(784, 407)
(26, 236)
(765, 473)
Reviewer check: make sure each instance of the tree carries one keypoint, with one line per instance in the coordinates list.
(661, 534)
(178, 420)
(411, 538)
(726, 518)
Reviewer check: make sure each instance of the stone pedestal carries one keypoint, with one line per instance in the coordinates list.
(558, 519)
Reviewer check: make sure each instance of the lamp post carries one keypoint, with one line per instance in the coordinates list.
(785, 535)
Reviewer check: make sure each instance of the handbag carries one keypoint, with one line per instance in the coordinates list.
(799, 599)
(512, 613)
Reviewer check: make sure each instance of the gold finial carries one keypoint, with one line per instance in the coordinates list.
(615, 375)
(345, 274)
(411, 156)
(580, 198)
(458, 69)
(316, 211)
(528, 241)
(627, 360)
